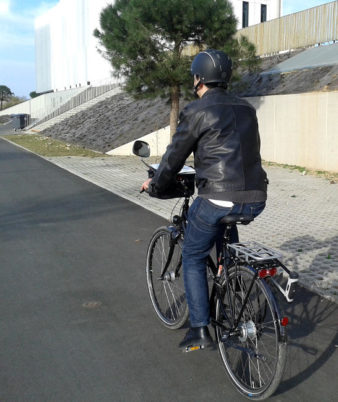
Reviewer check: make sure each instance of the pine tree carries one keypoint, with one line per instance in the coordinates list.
(5, 94)
(147, 42)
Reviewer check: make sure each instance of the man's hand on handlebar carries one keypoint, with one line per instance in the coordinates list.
(145, 186)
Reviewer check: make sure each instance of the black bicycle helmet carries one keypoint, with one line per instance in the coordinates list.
(212, 66)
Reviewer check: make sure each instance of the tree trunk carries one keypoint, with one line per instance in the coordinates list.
(174, 111)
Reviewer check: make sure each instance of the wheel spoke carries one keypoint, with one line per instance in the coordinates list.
(167, 294)
(169, 304)
(250, 357)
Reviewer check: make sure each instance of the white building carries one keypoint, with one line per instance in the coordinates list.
(254, 12)
(66, 50)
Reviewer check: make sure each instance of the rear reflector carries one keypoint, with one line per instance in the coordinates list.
(263, 273)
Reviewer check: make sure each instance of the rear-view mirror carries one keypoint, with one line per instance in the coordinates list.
(141, 148)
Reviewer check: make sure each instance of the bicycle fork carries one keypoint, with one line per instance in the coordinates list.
(174, 234)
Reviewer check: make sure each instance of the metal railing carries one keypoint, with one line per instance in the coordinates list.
(302, 29)
(88, 94)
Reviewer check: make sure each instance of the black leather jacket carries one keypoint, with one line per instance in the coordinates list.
(222, 132)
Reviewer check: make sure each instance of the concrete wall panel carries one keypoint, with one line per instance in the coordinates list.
(44, 104)
(331, 138)
(158, 141)
(298, 129)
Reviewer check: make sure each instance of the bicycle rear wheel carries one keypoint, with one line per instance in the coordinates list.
(254, 355)
(167, 292)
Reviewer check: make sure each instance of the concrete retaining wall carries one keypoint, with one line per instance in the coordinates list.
(44, 104)
(158, 141)
(298, 129)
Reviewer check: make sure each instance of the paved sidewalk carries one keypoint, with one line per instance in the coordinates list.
(301, 217)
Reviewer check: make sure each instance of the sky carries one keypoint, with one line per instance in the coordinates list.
(17, 55)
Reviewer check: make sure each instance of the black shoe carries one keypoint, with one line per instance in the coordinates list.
(196, 338)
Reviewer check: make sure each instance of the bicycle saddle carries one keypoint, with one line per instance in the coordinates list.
(234, 219)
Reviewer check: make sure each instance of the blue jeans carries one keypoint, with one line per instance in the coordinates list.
(202, 232)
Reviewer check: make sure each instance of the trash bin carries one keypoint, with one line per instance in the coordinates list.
(20, 121)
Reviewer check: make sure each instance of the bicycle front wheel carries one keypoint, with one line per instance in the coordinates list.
(166, 290)
(254, 351)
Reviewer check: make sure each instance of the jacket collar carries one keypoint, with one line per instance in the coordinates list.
(214, 91)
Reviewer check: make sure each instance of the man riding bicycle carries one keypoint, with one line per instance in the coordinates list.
(222, 132)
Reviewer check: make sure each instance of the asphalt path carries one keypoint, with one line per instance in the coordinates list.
(76, 322)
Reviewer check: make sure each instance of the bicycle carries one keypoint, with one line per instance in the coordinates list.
(250, 329)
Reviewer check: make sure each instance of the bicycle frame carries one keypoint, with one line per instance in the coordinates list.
(249, 328)
(225, 260)
(176, 230)
(216, 272)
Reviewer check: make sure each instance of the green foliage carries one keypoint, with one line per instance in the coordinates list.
(46, 146)
(12, 101)
(145, 40)
(5, 92)
(34, 94)
(244, 57)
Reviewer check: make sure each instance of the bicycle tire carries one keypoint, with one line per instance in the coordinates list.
(167, 295)
(255, 358)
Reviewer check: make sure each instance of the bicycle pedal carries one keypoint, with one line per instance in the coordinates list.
(193, 348)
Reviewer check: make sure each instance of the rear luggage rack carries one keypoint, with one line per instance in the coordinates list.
(253, 251)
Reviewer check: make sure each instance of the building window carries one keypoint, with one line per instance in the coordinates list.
(245, 16)
(263, 12)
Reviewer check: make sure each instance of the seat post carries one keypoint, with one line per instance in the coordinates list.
(224, 258)
(228, 228)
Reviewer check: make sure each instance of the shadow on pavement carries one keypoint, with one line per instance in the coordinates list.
(319, 257)
(312, 341)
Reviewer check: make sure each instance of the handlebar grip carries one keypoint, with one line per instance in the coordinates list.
(143, 190)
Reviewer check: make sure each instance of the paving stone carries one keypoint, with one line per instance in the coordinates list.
(300, 219)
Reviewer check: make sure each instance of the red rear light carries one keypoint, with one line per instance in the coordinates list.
(284, 321)
(264, 272)
(273, 271)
